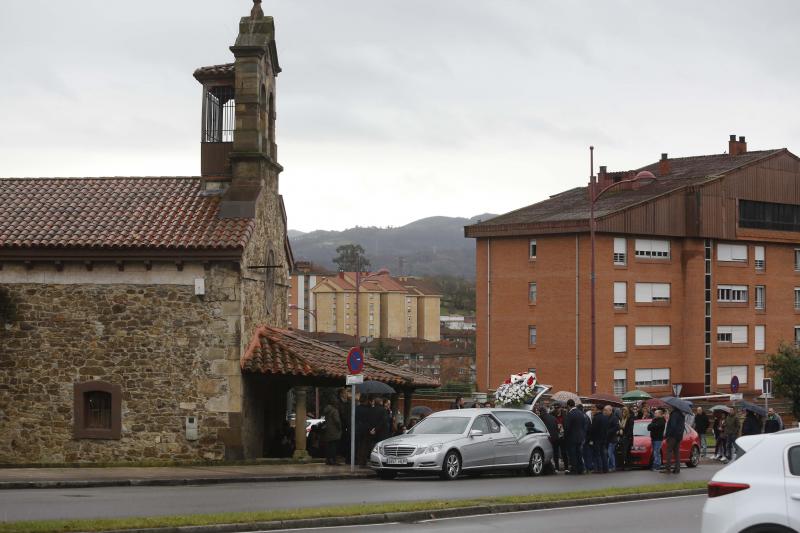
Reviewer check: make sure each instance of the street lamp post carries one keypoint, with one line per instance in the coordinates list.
(593, 196)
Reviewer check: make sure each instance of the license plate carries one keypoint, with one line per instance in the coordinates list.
(397, 460)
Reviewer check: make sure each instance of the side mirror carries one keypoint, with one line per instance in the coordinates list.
(475, 433)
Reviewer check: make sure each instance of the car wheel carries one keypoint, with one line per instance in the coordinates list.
(387, 474)
(694, 458)
(451, 466)
(536, 463)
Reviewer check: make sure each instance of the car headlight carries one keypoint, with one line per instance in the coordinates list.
(433, 448)
(376, 449)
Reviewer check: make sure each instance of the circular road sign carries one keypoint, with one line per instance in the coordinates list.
(355, 360)
(734, 384)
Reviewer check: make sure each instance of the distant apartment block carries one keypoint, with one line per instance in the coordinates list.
(388, 307)
(697, 277)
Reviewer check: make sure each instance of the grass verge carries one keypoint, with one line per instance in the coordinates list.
(65, 526)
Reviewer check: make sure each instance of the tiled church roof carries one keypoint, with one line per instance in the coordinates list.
(214, 71)
(285, 352)
(115, 213)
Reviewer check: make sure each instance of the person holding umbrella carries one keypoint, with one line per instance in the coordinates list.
(674, 433)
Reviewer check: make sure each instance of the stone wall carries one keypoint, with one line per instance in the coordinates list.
(173, 353)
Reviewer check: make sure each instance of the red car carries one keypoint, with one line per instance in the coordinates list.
(642, 449)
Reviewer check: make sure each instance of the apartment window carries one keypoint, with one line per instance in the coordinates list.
(620, 382)
(760, 260)
(758, 375)
(732, 252)
(732, 334)
(371, 306)
(652, 249)
(620, 246)
(371, 317)
(726, 373)
(761, 297)
(797, 260)
(797, 336)
(651, 377)
(620, 295)
(652, 335)
(732, 293)
(347, 306)
(531, 335)
(652, 292)
(532, 293)
(532, 249)
(797, 297)
(769, 215)
(760, 338)
(620, 339)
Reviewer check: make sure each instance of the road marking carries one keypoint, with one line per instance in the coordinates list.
(378, 524)
(570, 507)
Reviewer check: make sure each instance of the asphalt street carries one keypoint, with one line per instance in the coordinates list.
(666, 515)
(109, 502)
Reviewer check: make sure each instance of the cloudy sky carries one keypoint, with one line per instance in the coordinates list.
(393, 110)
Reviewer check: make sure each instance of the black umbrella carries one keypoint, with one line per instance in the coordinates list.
(374, 387)
(678, 403)
(421, 410)
(757, 409)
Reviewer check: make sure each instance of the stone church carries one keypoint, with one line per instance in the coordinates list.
(127, 302)
(146, 318)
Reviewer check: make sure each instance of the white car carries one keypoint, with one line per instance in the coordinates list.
(760, 491)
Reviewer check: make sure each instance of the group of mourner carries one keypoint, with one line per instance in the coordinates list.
(597, 438)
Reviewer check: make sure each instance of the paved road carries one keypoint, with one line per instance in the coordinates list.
(678, 515)
(40, 504)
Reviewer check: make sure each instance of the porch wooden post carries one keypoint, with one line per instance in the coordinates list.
(300, 452)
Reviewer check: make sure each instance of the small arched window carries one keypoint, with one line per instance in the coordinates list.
(98, 410)
(271, 124)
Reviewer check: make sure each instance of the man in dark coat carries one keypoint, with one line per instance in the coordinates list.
(656, 429)
(552, 428)
(598, 435)
(751, 424)
(368, 421)
(574, 434)
(331, 433)
(674, 435)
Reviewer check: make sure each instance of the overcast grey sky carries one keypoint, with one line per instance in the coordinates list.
(392, 110)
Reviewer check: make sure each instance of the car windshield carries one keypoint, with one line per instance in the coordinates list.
(441, 425)
(640, 429)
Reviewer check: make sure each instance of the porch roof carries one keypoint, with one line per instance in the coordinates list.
(284, 352)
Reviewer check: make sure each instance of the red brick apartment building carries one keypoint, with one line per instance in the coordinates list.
(697, 277)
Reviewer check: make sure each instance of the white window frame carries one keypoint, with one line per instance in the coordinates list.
(732, 293)
(758, 376)
(731, 253)
(652, 248)
(620, 295)
(797, 297)
(533, 336)
(620, 382)
(797, 336)
(759, 255)
(651, 377)
(652, 292)
(620, 339)
(532, 249)
(532, 292)
(620, 251)
(797, 259)
(726, 372)
(761, 297)
(760, 337)
(732, 334)
(652, 336)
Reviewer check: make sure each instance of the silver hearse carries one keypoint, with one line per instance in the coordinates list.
(469, 441)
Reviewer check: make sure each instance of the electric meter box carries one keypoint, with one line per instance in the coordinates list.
(191, 428)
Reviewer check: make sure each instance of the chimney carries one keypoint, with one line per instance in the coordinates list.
(737, 147)
(663, 165)
(602, 177)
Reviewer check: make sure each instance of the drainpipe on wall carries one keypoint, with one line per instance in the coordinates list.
(577, 313)
(488, 310)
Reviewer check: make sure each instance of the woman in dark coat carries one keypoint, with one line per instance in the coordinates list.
(331, 433)
(751, 424)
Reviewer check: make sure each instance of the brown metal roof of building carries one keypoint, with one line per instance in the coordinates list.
(167, 213)
(289, 353)
(573, 205)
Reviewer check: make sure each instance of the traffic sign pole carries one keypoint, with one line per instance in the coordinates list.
(355, 365)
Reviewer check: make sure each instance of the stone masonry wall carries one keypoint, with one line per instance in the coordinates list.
(173, 354)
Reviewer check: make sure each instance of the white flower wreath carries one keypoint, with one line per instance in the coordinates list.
(516, 390)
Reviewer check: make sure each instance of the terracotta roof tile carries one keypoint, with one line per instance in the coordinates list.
(163, 213)
(573, 204)
(286, 352)
(215, 71)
